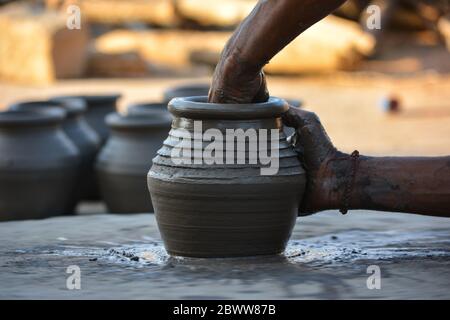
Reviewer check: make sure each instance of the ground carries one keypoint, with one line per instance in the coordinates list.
(122, 257)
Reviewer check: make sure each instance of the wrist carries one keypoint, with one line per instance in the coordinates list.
(341, 182)
(334, 183)
(326, 184)
(237, 65)
(347, 183)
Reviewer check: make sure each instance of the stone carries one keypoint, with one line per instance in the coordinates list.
(444, 29)
(170, 48)
(36, 47)
(157, 12)
(215, 12)
(126, 64)
(329, 45)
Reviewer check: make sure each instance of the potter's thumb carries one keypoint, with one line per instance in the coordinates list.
(290, 118)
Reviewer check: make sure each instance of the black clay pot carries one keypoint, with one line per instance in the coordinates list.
(81, 134)
(188, 90)
(98, 106)
(148, 109)
(226, 204)
(38, 165)
(124, 161)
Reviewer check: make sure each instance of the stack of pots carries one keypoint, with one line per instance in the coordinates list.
(39, 165)
(97, 108)
(186, 90)
(79, 132)
(124, 161)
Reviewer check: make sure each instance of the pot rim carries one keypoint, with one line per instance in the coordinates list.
(19, 118)
(197, 108)
(148, 105)
(296, 103)
(136, 121)
(188, 86)
(73, 106)
(70, 108)
(91, 99)
(186, 89)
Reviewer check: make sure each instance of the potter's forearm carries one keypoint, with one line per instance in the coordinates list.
(404, 184)
(272, 25)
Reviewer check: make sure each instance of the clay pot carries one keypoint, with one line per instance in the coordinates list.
(81, 134)
(188, 90)
(224, 210)
(98, 106)
(38, 165)
(148, 108)
(124, 161)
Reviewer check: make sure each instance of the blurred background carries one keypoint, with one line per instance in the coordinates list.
(381, 91)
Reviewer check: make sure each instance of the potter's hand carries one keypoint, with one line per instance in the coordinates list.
(316, 150)
(233, 82)
(403, 184)
(270, 26)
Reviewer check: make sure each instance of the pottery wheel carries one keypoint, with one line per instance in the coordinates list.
(123, 257)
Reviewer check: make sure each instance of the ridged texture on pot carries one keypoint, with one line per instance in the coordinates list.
(39, 166)
(224, 210)
(124, 161)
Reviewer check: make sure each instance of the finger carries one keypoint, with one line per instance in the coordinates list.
(217, 95)
(210, 94)
(262, 95)
(290, 118)
(305, 117)
(297, 118)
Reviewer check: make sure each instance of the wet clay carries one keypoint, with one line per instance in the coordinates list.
(224, 210)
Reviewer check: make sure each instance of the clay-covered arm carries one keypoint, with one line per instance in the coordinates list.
(270, 26)
(275, 23)
(404, 184)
